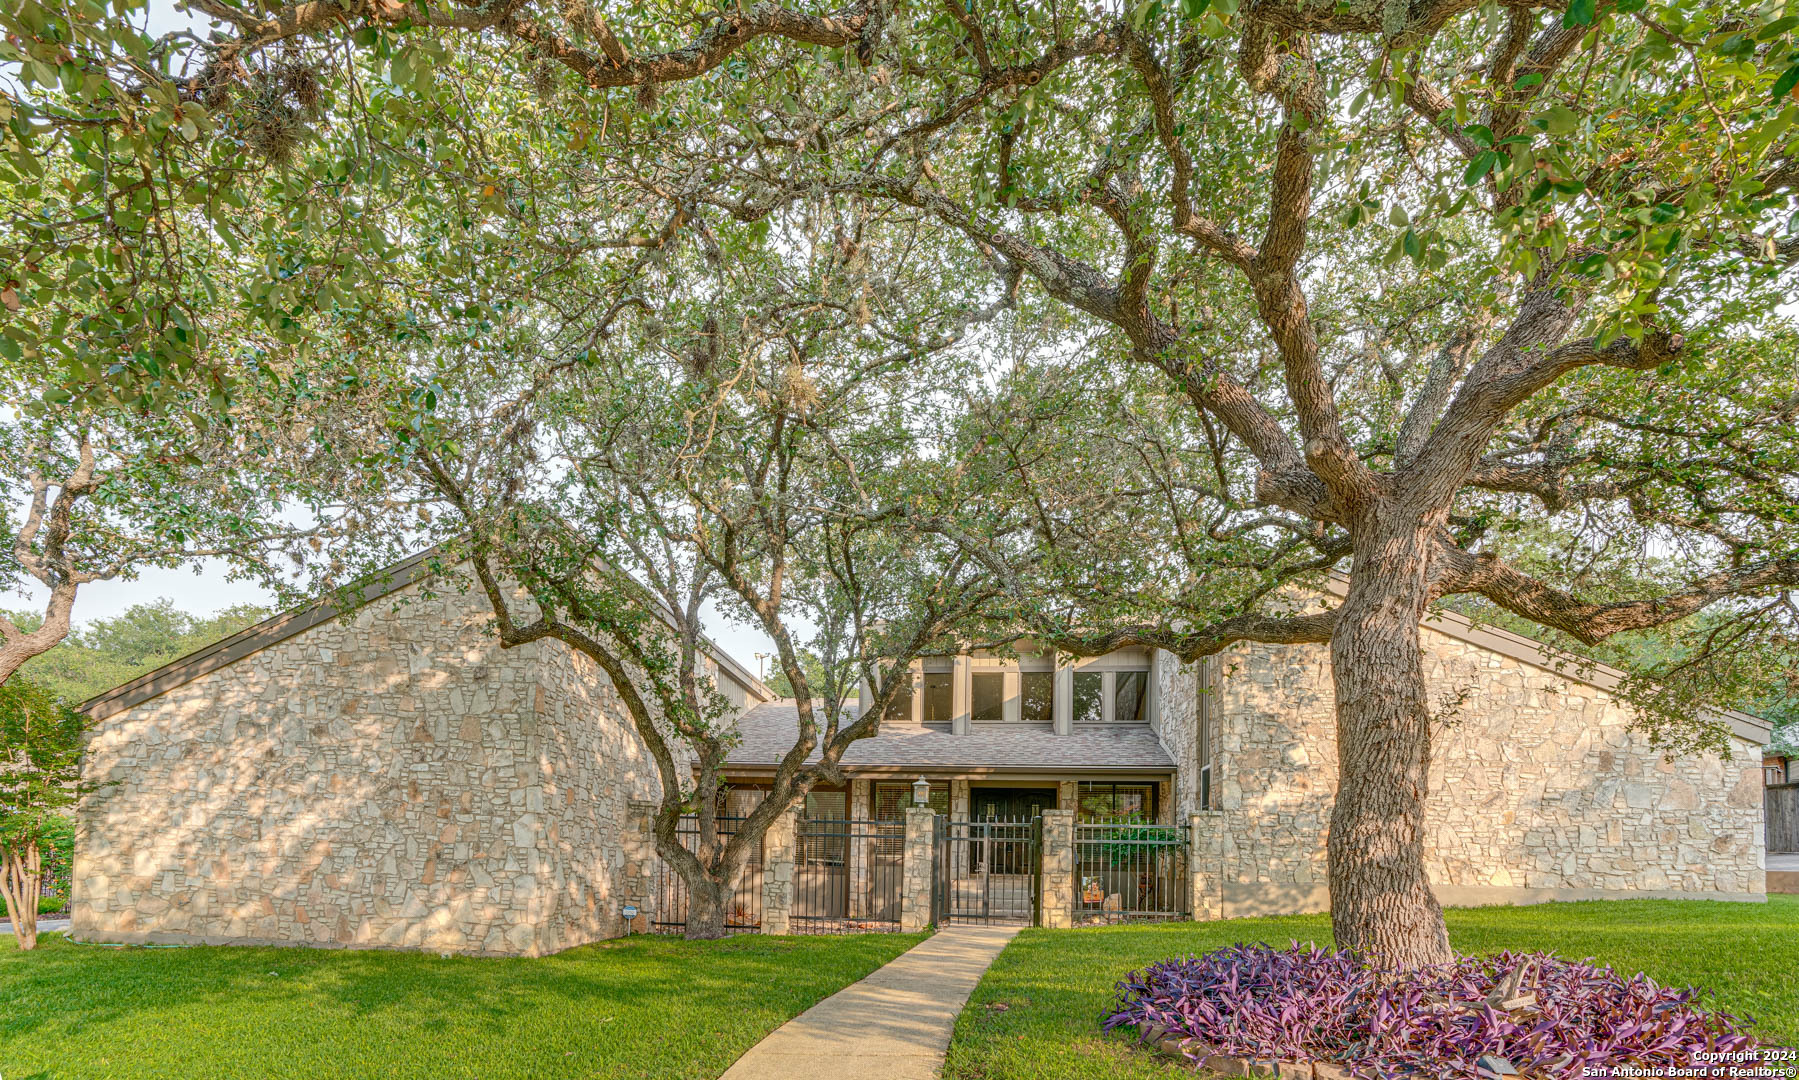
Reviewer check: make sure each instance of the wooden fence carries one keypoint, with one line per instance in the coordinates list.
(1781, 803)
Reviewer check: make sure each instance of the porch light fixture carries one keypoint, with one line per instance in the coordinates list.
(921, 791)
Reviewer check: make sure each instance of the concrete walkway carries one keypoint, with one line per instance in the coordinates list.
(44, 926)
(893, 1025)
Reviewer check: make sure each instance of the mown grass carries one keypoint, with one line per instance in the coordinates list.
(638, 1008)
(1036, 1014)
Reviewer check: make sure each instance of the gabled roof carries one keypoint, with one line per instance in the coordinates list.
(1578, 669)
(279, 628)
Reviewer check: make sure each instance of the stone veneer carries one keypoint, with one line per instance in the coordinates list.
(1539, 790)
(393, 780)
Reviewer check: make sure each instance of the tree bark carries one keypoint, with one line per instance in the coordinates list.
(1382, 905)
(708, 903)
(21, 886)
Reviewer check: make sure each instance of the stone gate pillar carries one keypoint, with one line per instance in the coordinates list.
(1205, 864)
(777, 874)
(1057, 911)
(917, 869)
(856, 849)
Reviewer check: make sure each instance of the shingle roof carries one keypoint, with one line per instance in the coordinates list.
(768, 731)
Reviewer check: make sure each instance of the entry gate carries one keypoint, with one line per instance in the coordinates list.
(988, 871)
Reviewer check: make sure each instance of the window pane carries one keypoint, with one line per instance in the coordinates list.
(937, 697)
(988, 705)
(739, 801)
(825, 804)
(1097, 801)
(1036, 691)
(899, 709)
(1131, 800)
(1089, 689)
(1131, 691)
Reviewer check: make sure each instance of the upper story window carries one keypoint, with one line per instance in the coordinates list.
(939, 697)
(1027, 690)
(987, 702)
(1111, 697)
(1037, 697)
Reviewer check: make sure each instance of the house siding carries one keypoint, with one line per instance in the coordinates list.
(1539, 790)
(396, 780)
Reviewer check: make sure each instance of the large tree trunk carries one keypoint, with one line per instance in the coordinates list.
(22, 885)
(1381, 901)
(707, 905)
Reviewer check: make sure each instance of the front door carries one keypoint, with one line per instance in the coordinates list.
(1010, 804)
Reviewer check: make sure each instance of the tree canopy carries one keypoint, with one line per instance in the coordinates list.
(104, 653)
(1480, 304)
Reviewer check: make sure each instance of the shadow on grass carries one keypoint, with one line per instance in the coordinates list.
(218, 1009)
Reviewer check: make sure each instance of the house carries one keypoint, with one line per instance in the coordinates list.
(388, 776)
(385, 776)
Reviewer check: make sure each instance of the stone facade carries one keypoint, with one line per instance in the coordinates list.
(1539, 790)
(917, 869)
(390, 780)
(1057, 909)
(1179, 713)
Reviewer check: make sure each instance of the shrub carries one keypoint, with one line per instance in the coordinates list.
(1306, 1003)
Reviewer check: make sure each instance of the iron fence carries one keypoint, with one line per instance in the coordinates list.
(743, 912)
(846, 876)
(991, 871)
(1126, 871)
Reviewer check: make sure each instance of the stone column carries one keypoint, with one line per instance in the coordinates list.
(1057, 911)
(778, 874)
(917, 869)
(959, 807)
(857, 854)
(636, 880)
(1068, 795)
(1205, 865)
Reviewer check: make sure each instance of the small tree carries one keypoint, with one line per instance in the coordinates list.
(40, 776)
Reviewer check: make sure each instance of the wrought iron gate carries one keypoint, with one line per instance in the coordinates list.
(742, 912)
(989, 871)
(846, 876)
(1127, 871)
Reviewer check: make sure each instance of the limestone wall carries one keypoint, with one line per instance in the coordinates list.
(1177, 726)
(394, 781)
(1538, 790)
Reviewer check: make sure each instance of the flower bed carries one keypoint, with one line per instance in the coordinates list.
(1243, 1010)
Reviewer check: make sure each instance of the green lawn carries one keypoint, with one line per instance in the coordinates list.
(1035, 1016)
(639, 1008)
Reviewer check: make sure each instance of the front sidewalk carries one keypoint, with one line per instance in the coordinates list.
(895, 1024)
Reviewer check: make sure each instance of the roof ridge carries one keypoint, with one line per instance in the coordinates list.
(297, 620)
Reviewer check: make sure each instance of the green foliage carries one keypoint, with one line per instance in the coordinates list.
(40, 765)
(1130, 840)
(1054, 984)
(108, 652)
